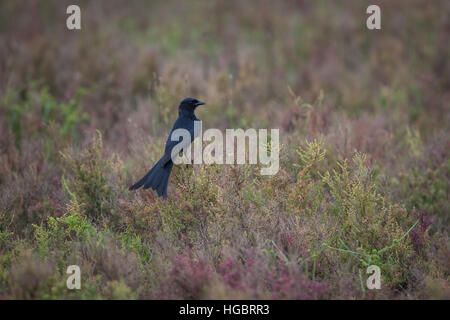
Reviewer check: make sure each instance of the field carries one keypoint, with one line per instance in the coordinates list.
(364, 173)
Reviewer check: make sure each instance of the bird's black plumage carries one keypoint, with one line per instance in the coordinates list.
(158, 176)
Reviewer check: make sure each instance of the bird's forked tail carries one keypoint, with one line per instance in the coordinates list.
(157, 178)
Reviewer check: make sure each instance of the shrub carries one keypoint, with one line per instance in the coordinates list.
(88, 184)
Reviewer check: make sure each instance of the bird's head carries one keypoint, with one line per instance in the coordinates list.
(189, 104)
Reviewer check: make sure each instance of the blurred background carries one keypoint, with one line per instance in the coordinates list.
(137, 59)
(310, 68)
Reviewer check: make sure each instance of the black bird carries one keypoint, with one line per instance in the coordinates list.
(158, 176)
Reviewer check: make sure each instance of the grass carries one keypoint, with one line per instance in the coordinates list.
(364, 156)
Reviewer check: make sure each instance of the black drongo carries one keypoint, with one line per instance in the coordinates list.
(158, 176)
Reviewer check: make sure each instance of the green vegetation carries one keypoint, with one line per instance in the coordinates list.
(364, 156)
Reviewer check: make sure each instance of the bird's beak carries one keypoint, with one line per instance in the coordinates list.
(199, 103)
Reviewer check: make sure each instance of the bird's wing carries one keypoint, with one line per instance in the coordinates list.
(181, 123)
